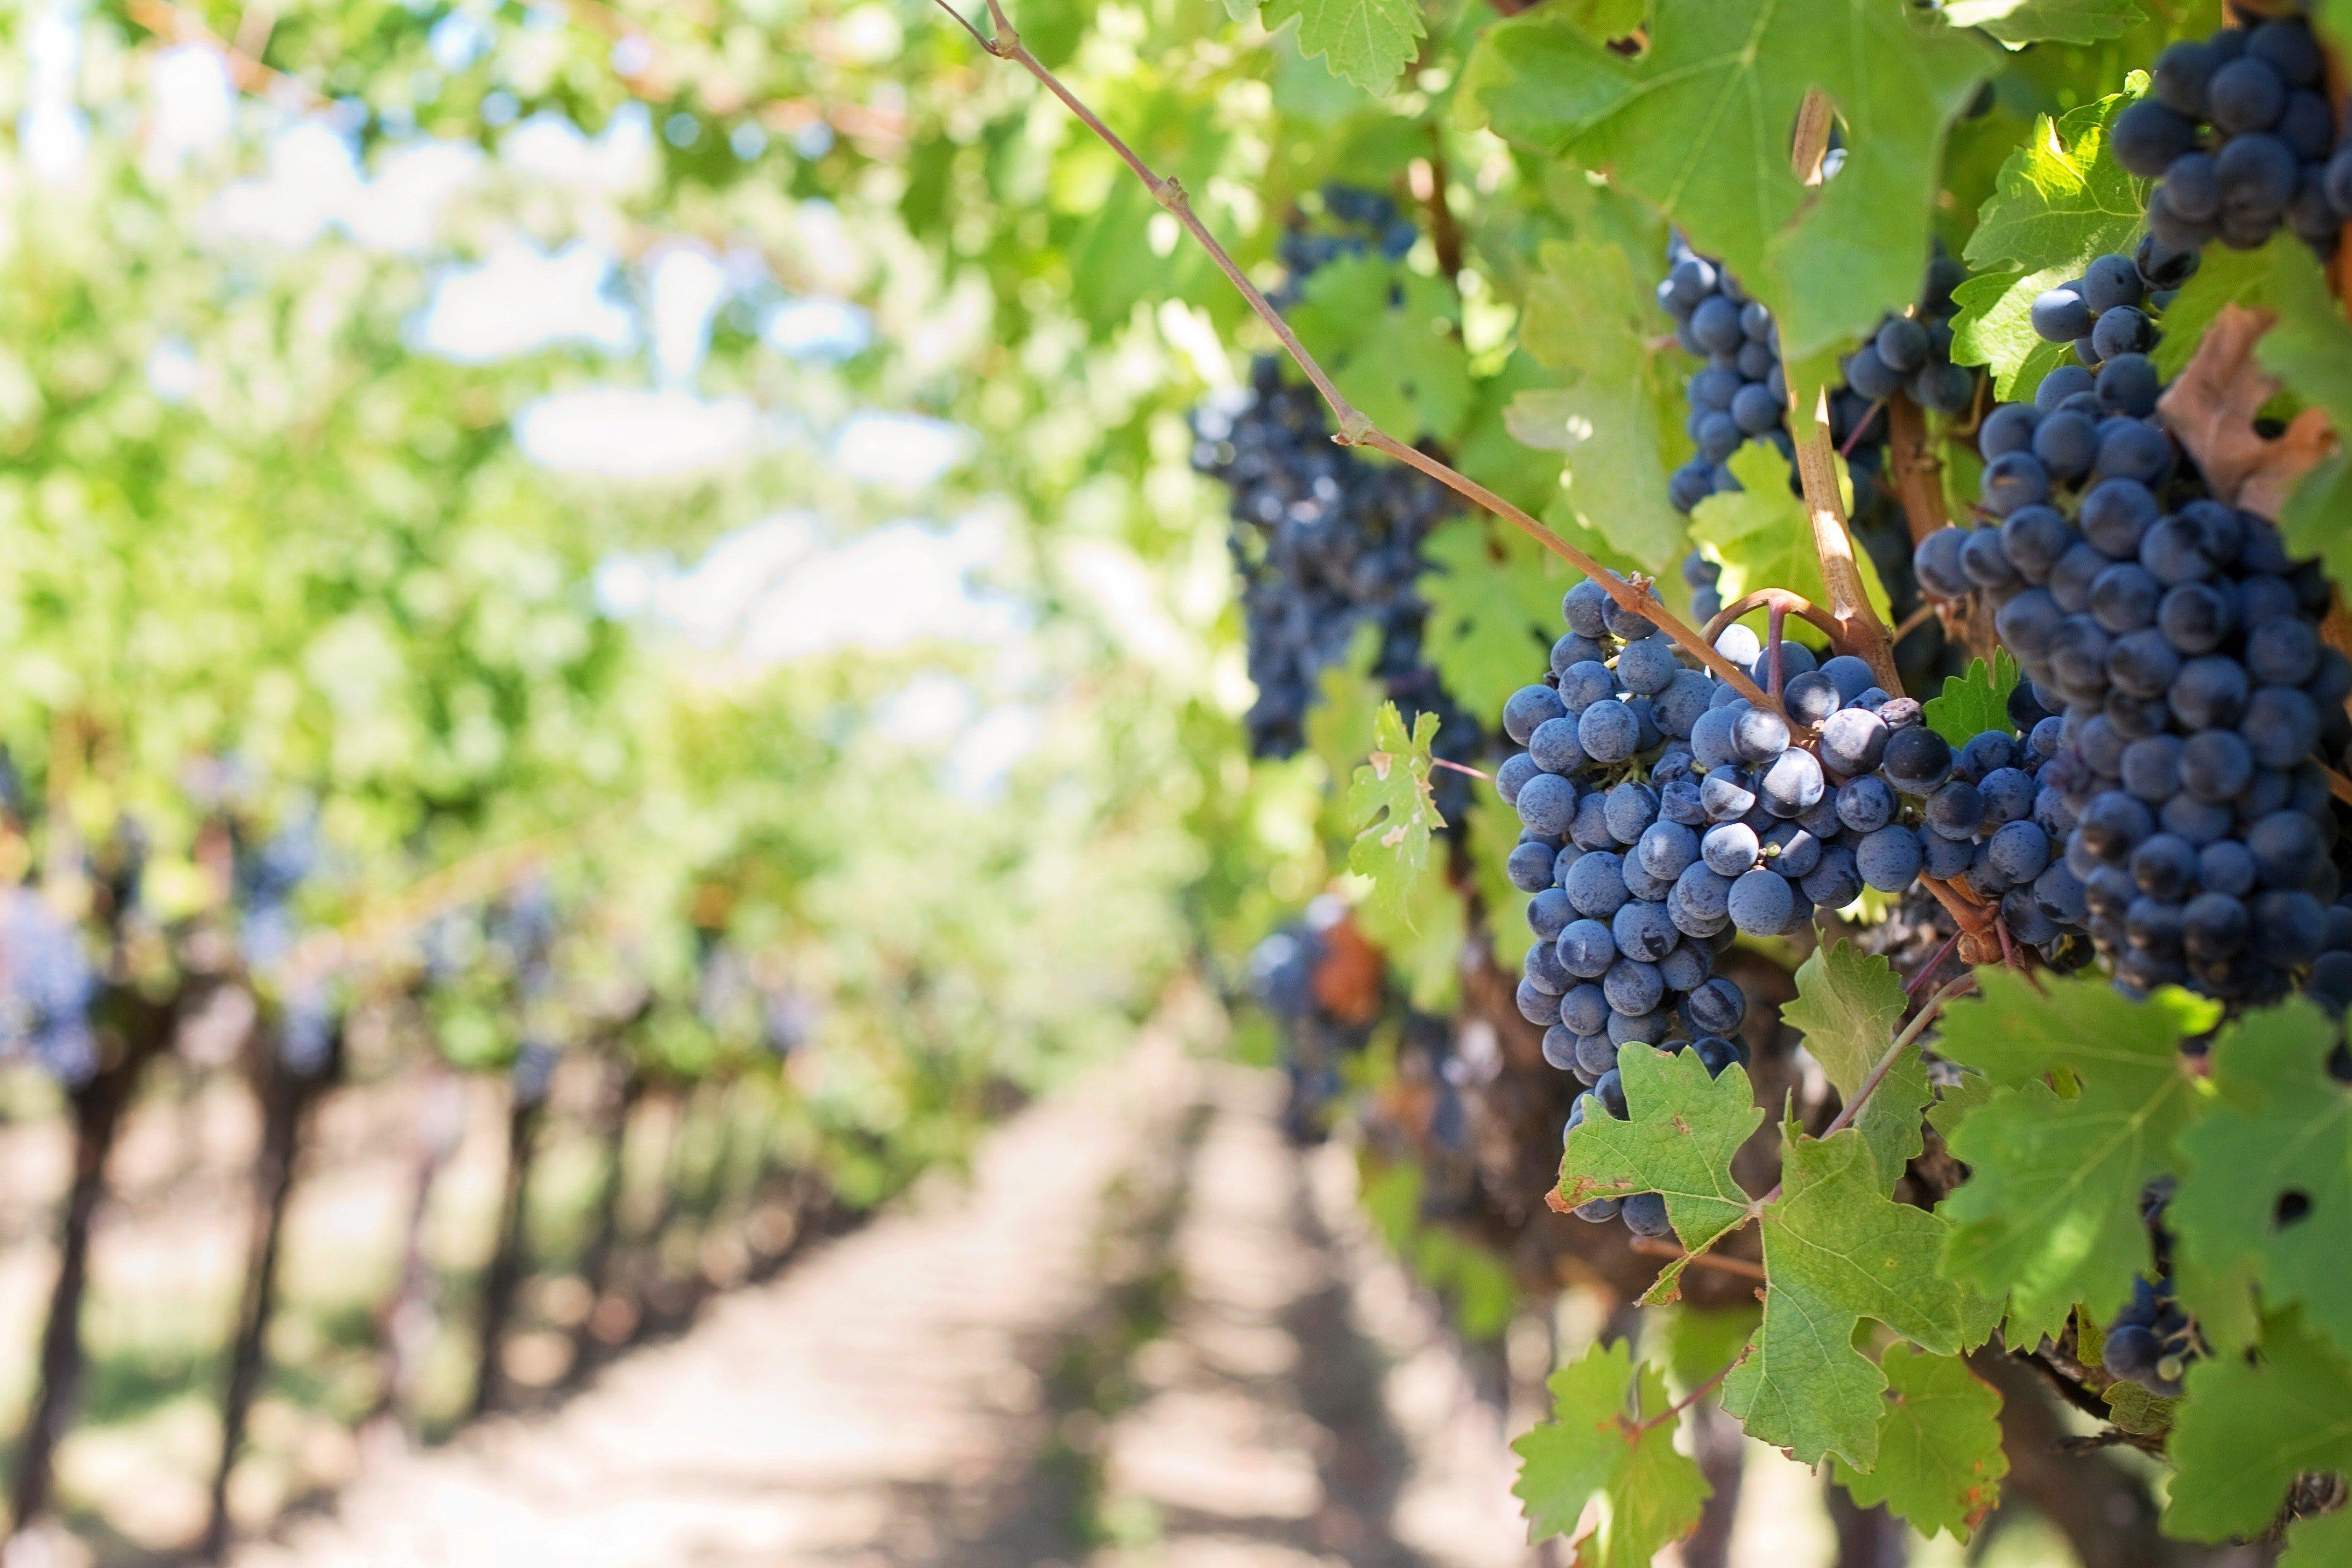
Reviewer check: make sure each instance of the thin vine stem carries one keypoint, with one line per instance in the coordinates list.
(1634, 595)
(1659, 1247)
(1692, 1398)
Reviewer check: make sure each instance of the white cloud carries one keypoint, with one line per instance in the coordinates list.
(630, 432)
(195, 105)
(400, 209)
(686, 285)
(827, 329)
(520, 299)
(549, 147)
(904, 452)
(990, 749)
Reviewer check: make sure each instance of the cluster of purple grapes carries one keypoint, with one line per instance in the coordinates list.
(47, 990)
(1663, 813)
(2238, 130)
(1325, 540)
(2180, 645)
(1741, 392)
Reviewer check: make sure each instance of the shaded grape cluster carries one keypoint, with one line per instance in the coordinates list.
(1741, 392)
(2180, 645)
(1326, 541)
(2151, 1340)
(2238, 130)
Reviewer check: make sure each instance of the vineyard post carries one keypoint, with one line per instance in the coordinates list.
(508, 1264)
(596, 1260)
(285, 1097)
(144, 1030)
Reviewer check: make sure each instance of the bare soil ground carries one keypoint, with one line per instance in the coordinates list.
(1145, 1331)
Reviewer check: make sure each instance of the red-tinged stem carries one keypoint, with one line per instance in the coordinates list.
(1659, 1247)
(1918, 982)
(1674, 1410)
(1775, 621)
(1886, 1064)
(1354, 428)
(1845, 447)
(1458, 768)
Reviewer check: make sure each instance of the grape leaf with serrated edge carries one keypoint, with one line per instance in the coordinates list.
(1391, 800)
(1848, 1008)
(1367, 41)
(2049, 1213)
(2045, 21)
(1838, 1251)
(1700, 126)
(2280, 1127)
(1940, 1458)
(1684, 1129)
(2249, 1426)
(1971, 704)
(1493, 600)
(1591, 318)
(1596, 1446)
(1761, 536)
(2059, 201)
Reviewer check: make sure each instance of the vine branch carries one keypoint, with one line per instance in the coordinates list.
(1849, 605)
(1355, 430)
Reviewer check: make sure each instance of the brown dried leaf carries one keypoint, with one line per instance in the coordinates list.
(2212, 405)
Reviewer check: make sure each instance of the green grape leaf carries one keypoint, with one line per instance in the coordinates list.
(1837, 1250)
(1940, 1458)
(1391, 801)
(1994, 327)
(1491, 454)
(1593, 319)
(1971, 704)
(2324, 1542)
(1494, 610)
(1600, 1445)
(1678, 1141)
(2060, 200)
(1384, 333)
(2045, 21)
(1761, 536)
(2269, 1167)
(2254, 278)
(2249, 1426)
(1602, 20)
(1699, 1342)
(2050, 1214)
(2308, 349)
(1849, 1008)
(1366, 41)
(1344, 714)
(1699, 126)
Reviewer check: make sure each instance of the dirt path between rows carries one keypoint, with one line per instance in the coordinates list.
(1146, 1331)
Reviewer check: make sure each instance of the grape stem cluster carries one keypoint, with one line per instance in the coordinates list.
(1633, 594)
